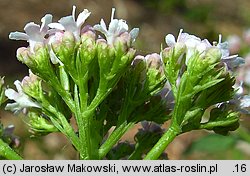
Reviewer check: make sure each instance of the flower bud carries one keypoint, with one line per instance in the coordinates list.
(121, 63)
(212, 55)
(173, 54)
(68, 40)
(87, 49)
(154, 71)
(31, 85)
(123, 42)
(106, 57)
(23, 55)
(88, 35)
(63, 45)
(139, 68)
(153, 61)
(39, 125)
(42, 66)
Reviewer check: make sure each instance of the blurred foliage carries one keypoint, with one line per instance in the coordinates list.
(166, 6)
(198, 12)
(212, 143)
(215, 147)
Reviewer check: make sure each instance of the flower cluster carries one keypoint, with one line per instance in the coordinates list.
(100, 83)
(72, 72)
(195, 44)
(198, 85)
(57, 41)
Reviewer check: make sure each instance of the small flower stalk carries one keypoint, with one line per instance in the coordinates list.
(92, 74)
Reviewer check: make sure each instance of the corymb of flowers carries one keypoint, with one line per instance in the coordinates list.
(93, 75)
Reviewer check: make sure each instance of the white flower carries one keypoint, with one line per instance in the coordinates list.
(192, 43)
(115, 29)
(33, 33)
(232, 61)
(69, 23)
(22, 100)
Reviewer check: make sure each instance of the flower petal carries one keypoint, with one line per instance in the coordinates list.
(11, 94)
(224, 47)
(134, 33)
(18, 36)
(17, 83)
(54, 59)
(101, 27)
(56, 26)
(25, 102)
(32, 29)
(170, 40)
(14, 107)
(68, 23)
(103, 24)
(46, 20)
(82, 17)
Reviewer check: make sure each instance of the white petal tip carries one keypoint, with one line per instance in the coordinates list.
(170, 40)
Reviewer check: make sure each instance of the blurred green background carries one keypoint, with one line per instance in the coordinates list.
(155, 18)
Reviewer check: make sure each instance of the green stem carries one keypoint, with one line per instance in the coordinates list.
(84, 126)
(67, 128)
(8, 152)
(83, 91)
(63, 93)
(114, 138)
(161, 145)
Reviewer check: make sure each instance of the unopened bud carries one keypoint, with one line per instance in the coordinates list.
(68, 39)
(31, 85)
(88, 47)
(153, 60)
(123, 42)
(138, 60)
(88, 34)
(212, 55)
(23, 55)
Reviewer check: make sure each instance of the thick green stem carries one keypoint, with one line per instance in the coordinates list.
(84, 128)
(8, 152)
(161, 145)
(114, 138)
